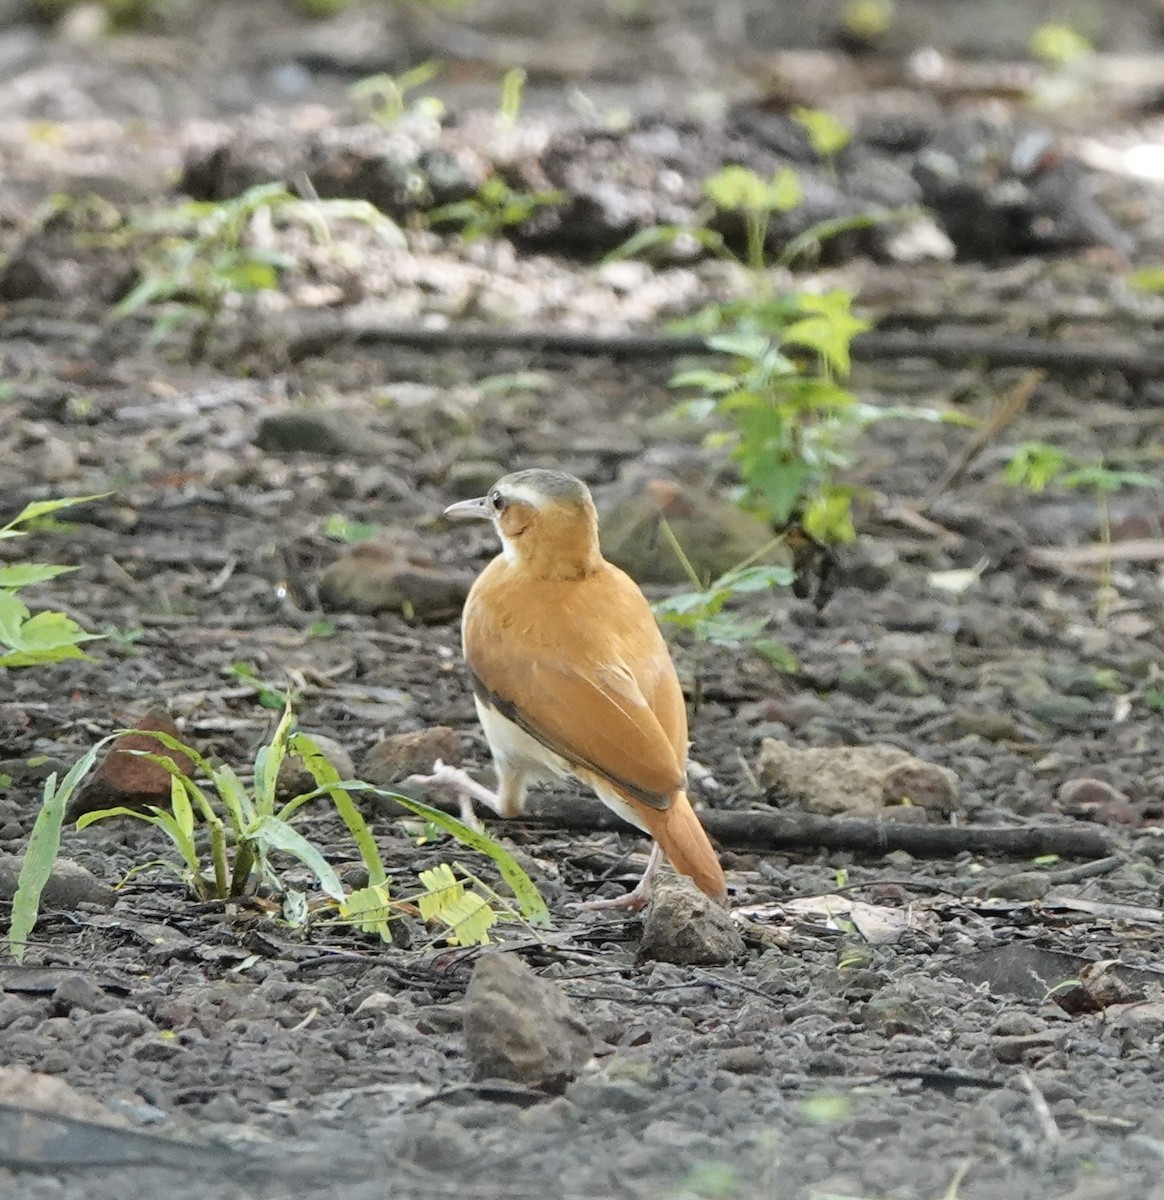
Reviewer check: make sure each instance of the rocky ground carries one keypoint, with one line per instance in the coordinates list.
(923, 1014)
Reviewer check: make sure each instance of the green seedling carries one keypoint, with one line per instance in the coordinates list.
(509, 106)
(1036, 466)
(268, 697)
(494, 207)
(228, 837)
(198, 254)
(30, 639)
(384, 97)
(343, 529)
(827, 136)
(779, 404)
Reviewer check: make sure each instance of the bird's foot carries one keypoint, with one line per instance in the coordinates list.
(464, 787)
(635, 899)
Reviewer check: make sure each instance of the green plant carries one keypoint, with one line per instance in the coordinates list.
(1059, 44)
(384, 97)
(737, 191)
(225, 835)
(200, 253)
(28, 639)
(789, 422)
(867, 20)
(495, 206)
(509, 105)
(1036, 466)
(343, 529)
(827, 136)
(267, 695)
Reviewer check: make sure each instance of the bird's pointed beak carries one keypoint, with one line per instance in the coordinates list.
(470, 508)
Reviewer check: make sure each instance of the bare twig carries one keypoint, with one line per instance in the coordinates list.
(1041, 1108)
(1013, 403)
(323, 332)
(766, 830)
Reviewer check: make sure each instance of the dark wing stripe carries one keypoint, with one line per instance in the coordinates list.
(511, 712)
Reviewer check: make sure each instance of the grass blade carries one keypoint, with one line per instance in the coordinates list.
(41, 852)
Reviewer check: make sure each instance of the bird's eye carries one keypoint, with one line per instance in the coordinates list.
(497, 500)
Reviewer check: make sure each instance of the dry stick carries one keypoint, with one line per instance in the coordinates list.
(322, 332)
(758, 830)
(1013, 403)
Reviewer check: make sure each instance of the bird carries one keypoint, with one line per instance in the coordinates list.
(572, 677)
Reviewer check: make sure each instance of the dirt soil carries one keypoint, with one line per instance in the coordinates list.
(931, 1046)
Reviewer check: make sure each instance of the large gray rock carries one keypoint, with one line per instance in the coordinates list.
(519, 1026)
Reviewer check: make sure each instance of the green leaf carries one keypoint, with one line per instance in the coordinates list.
(1148, 279)
(234, 796)
(828, 517)
(41, 851)
(707, 381)
(271, 833)
(18, 575)
(828, 328)
(756, 579)
(1034, 465)
(777, 654)
(269, 759)
(826, 134)
(743, 344)
(13, 614)
(41, 508)
(326, 776)
(784, 192)
(736, 187)
(368, 908)
(532, 906)
(467, 915)
(47, 631)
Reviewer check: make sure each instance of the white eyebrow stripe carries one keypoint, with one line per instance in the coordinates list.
(524, 495)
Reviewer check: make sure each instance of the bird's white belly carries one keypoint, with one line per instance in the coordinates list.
(513, 747)
(516, 751)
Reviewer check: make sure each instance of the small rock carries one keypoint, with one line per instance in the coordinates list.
(891, 1015)
(856, 780)
(294, 778)
(24, 1089)
(28, 275)
(921, 784)
(1016, 1048)
(598, 1093)
(375, 577)
(686, 927)
(520, 1026)
(79, 992)
(123, 778)
(716, 534)
(1143, 1020)
(993, 726)
(1026, 885)
(467, 479)
(440, 1018)
(1098, 988)
(1076, 795)
(445, 1145)
(321, 431)
(742, 1060)
(399, 755)
(69, 886)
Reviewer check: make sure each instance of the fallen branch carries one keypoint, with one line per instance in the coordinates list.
(322, 332)
(754, 829)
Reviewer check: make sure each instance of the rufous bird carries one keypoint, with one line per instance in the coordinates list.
(572, 677)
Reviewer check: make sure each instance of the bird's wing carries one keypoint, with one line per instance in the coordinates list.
(593, 715)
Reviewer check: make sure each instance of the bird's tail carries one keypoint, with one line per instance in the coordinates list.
(685, 843)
